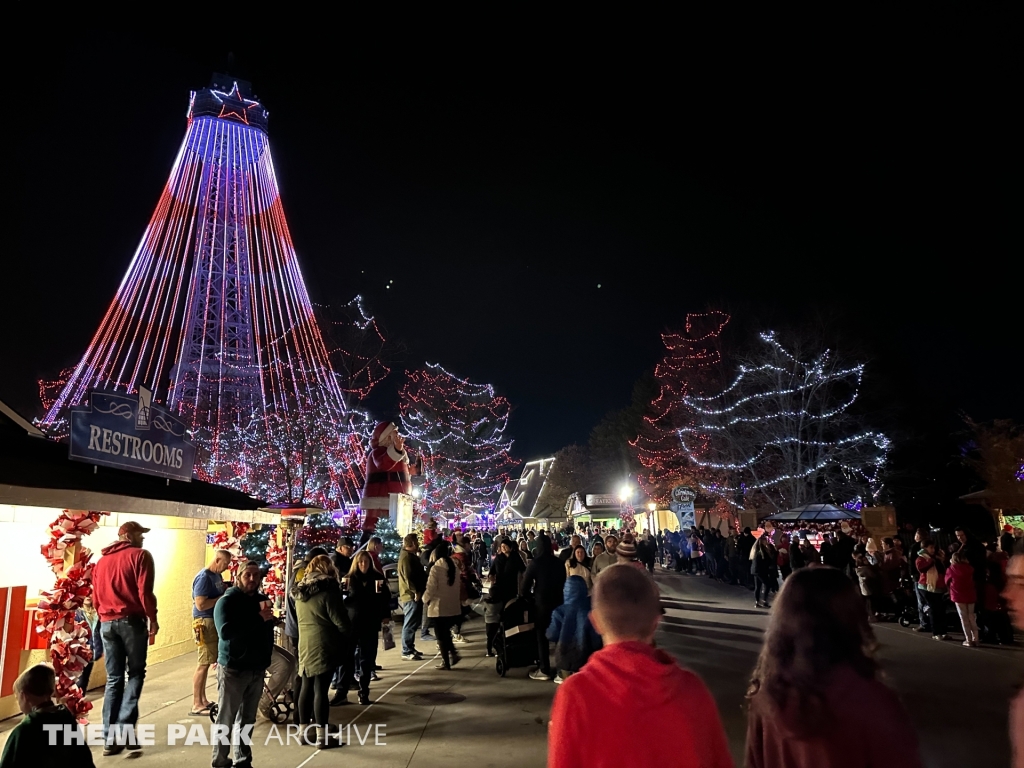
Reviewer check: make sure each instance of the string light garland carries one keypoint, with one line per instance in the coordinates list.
(782, 433)
(459, 428)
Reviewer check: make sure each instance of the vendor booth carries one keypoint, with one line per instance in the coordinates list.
(41, 486)
(812, 521)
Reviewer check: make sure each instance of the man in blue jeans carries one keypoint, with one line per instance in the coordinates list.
(122, 593)
(412, 583)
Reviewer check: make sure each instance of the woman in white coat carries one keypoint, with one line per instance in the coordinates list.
(443, 602)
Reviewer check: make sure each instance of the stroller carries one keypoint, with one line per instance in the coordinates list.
(515, 645)
(906, 602)
(277, 702)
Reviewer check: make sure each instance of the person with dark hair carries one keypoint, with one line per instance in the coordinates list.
(324, 638)
(974, 552)
(959, 579)
(579, 565)
(245, 625)
(443, 603)
(762, 566)
(629, 675)
(815, 690)
(931, 564)
(369, 606)
(607, 557)
(544, 581)
(503, 578)
(30, 742)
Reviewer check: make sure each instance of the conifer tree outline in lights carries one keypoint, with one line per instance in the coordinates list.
(213, 314)
(690, 364)
(782, 432)
(459, 428)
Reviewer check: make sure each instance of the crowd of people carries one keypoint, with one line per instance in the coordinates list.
(593, 596)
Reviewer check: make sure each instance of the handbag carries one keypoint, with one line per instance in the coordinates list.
(387, 636)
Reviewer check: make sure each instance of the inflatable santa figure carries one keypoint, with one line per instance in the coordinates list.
(387, 471)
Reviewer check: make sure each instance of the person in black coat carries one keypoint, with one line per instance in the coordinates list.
(762, 568)
(369, 606)
(544, 581)
(506, 572)
(743, 547)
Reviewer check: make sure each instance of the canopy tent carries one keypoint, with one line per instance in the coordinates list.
(821, 513)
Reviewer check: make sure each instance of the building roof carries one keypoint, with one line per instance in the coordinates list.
(820, 512)
(38, 472)
(521, 495)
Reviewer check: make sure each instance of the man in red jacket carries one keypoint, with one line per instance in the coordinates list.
(122, 592)
(627, 676)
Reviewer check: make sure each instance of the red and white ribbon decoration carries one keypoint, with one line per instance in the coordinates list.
(68, 640)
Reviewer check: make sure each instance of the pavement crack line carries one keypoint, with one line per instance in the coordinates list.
(371, 706)
(423, 731)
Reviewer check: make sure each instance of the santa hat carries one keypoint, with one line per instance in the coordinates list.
(381, 431)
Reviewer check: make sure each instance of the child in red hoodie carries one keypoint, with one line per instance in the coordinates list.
(627, 676)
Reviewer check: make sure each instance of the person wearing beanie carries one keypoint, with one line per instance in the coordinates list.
(625, 553)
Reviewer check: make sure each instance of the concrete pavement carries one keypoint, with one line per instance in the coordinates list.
(956, 696)
(500, 722)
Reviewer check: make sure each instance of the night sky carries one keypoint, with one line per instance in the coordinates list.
(874, 186)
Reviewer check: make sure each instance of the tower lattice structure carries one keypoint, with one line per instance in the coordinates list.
(213, 315)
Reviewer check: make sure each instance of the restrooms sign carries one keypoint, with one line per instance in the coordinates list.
(132, 433)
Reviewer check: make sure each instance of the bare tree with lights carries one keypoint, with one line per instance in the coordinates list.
(459, 428)
(783, 432)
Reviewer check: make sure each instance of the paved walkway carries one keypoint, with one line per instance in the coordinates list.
(499, 722)
(957, 696)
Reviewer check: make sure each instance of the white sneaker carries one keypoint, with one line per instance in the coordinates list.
(559, 679)
(538, 674)
(458, 639)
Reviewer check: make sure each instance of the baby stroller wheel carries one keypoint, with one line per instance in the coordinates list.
(213, 712)
(499, 667)
(904, 621)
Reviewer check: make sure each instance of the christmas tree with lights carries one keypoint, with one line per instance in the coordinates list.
(459, 428)
(391, 539)
(319, 530)
(691, 364)
(254, 546)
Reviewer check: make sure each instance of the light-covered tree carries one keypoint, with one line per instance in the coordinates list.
(460, 429)
(784, 432)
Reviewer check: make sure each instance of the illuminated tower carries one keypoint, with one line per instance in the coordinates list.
(213, 313)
